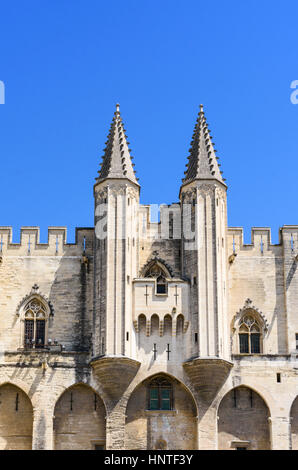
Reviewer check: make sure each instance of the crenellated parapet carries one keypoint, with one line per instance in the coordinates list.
(169, 225)
(261, 241)
(56, 245)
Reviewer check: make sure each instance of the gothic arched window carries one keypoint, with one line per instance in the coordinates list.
(249, 335)
(157, 272)
(35, 316)
(249, 328)
(160, 394)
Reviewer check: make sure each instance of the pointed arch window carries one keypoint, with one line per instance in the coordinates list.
(35, 318)
(249, 327)
(34, 312)
(249, 335)
(160, 394)
(157, 272)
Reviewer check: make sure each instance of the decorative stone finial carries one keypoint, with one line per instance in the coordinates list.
(202, 162)
(116, 161)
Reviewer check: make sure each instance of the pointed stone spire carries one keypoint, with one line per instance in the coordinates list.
(202, 162)
(117, 161)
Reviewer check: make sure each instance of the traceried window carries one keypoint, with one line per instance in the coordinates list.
(249, 335)
(160, 394)
(35, 324)
(156, 271)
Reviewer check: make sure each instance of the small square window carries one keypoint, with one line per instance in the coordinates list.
(161, 289)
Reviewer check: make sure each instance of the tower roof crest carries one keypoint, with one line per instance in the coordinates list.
(117, 161)
(202, 159)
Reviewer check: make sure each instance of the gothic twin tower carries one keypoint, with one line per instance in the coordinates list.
(189, 259)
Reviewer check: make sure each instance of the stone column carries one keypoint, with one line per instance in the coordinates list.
(280, 427)
(207, 428)
(42, 433)
(115, 428)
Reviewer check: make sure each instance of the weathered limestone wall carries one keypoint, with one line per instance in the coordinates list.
(16, 419)
(45, 387)
(43, 377)
(290, 263)
(153, 243)
(116, 260)
(64, 273)
(205, 264)
(79, 420)
(63, 277)
(257, 273)
(243, 416)
(260, 374)
(146, 429)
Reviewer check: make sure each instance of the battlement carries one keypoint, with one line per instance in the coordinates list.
(169, 214)
(261, 239)
(56, 245)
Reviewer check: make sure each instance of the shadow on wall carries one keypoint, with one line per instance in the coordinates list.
(79, 422)
(294, 424)
(279, 314)
(16, 419)
(156, 429)
(155, 339)
(72, 297)
(243, 421)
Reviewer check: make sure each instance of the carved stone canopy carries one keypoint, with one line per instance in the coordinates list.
(35, 294)
(250, 308)
(157, 261)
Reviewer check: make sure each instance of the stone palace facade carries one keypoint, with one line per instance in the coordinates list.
(142, 335)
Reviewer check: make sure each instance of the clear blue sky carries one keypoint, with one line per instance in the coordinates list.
(65, 64)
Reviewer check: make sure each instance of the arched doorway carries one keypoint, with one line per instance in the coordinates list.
(79, 420)
(16, 419)
(243, 421)
(294, 424)
(161, 414)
